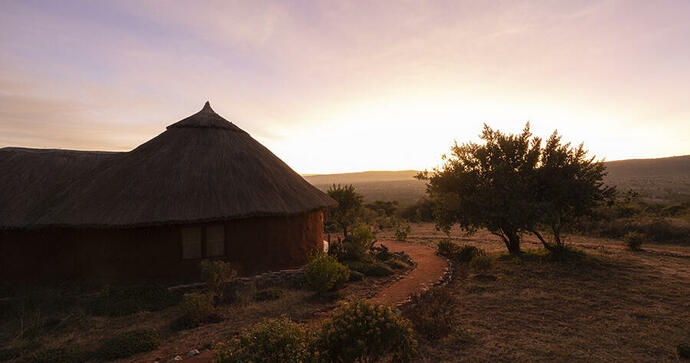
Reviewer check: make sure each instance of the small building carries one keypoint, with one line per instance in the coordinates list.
(203, 189)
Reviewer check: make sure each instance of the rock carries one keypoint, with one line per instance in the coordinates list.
(177, 358)
(192, 353)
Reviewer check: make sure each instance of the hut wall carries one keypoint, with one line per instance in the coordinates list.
(252, 245)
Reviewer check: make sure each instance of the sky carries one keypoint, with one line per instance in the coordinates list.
(341, 86)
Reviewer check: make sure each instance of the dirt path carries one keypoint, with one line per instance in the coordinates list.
(430, 269)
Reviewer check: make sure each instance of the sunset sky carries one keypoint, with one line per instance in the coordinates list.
(339, 86)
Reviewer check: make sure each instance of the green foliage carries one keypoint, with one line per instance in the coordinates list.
(487, 185)
(567, 185)
(68, 354)
(467, 253)
(447, 248)
(432, 313)
(197, 308)
(349, 207)
(401, 232)
(120, 301)
(387, 209)
(324, 273)
(275, 340)
(216, 273)
(370, 268)
(359, 242)
(421, 211)
(633, 240)
(481, 263)
(128, 344)
(268, 294)
(510, 185)
(461, 254)
(365, 332)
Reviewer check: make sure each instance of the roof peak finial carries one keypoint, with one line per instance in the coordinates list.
(207, 106)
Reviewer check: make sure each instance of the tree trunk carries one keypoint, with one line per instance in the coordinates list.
(543, 241)
(513, 243)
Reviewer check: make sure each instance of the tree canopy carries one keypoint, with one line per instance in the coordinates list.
(510, 184)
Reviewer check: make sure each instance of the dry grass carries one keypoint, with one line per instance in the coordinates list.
(603, 305)
(88, 332)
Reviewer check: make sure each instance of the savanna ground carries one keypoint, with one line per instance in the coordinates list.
(602, 304)
(55, 318)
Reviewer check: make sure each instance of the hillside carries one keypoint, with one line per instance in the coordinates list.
(663, 180)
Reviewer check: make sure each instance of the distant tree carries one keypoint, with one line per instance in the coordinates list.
(383, 208)
(348, 210)
(487, 185)
(568, 185)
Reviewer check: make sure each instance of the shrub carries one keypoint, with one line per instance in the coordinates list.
(365, 332)
(401, 232)
(381, 253)
(216, 273)
(275, 340)
(447, 248)
(129, 343)
(633, 240)
(239, 293)
(432, 313)
(482, 263)
(358, 243)
(396, 264)
(370, 268)
(324, 273)
(466, 253)
(120, 301)
(268, 294)
(59, 355)
(197, 308)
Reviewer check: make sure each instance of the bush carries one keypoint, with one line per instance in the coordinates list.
(324, 273)
(467, 253)
(401, 232)
(268, 294)
(370, 268)
(432, 313)
(365, 332)
(396, 264)
(120, 301)
(633, 240)
(197, 308)
(447, 248)
(59, 355)
(381, 253)
(360, 240)
(127, 344)
(216, 273)
(275, 340)
(482, 263)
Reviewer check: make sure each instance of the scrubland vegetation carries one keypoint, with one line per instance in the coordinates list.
(549, 263)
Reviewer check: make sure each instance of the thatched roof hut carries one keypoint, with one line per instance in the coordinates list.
(201, 170)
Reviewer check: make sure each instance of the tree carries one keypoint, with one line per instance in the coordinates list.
(348, 210)
(568, 185)
(487, 185)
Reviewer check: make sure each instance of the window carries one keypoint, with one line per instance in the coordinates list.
(215, 241)
(191, 243)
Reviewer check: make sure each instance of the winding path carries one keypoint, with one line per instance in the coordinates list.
(430, 269)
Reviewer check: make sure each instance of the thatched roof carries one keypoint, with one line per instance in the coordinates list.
(202, 168)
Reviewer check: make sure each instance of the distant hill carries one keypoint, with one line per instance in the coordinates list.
(663, 180)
